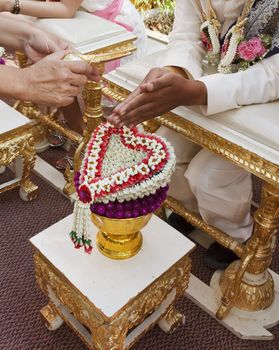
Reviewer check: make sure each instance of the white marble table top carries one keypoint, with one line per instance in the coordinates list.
(86, 31)
(110, 284)
(10, 119)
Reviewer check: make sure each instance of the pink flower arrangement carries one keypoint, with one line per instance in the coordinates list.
(251, 50)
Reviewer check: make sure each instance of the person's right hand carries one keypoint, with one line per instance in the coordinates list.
(54, 82)
(120, 110)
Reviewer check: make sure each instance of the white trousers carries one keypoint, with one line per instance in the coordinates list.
(207, 184)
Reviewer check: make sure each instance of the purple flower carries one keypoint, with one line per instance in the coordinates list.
(143, 211)
(101, 209)
(110, 213)
(127, 214)
(135, 213)
(119, 214)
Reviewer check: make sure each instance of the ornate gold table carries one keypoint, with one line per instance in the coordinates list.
(17, 145)
(109, 303)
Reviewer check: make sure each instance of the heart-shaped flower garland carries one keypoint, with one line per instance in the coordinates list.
(138, 166)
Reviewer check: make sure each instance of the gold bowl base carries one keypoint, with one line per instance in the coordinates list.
(119, 238)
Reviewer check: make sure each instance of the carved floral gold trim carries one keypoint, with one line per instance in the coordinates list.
(110, 332)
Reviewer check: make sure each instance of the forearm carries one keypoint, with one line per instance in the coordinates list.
(177, 70)
(13, 36)
(42, 9)
(12, 83)
(258, 84)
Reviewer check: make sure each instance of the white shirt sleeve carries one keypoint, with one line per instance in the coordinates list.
(185, 48)
(257, 84)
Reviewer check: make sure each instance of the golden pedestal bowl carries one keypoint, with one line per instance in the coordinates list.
(119, 238)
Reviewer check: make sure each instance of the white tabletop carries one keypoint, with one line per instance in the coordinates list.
(10, 119)
(110, 284)
(86, 31)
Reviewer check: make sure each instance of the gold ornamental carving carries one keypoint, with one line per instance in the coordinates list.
(249, 297)
(110, 333)
(256, 292)
(20, 143)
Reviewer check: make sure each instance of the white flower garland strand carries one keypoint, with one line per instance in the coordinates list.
(214, 37)
(234, 38)
(81, 220)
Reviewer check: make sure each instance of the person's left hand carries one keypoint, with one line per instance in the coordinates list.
(41, 43)
(160, 96)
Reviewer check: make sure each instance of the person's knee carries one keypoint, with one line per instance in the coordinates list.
(197, 172)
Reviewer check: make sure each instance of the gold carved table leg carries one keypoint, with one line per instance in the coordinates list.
(31, 110)
(21, 150)
(50, 317)
(247, 284)
(92, 117)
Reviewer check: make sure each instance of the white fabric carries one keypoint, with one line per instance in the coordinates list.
(128, 15)
(209, 185)
(258, 84)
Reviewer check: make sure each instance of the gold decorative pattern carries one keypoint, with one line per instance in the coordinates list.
(173, 318)
(50, 316)
(109, 333)
(20, 143)
(249, 297)
(255, 261)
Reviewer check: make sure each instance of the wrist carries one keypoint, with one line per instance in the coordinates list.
(7, 6)
(176, 70)
(22, 77)
(199, 93)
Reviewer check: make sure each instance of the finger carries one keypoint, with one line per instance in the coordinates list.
(73, 90)
(77, 79)
(58, 55)
(67, 101)
(115, 119)
(79, 67)
(140, 100)
(160, 83)
(121, 105)
(62, 101)
(138, 115)
(148, 87)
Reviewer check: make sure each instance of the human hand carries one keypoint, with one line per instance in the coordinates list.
(52, 81)
(41, 43)
(120, 109)
(159, 96)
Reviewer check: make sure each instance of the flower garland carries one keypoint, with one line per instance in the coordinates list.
(2, 51)
(124, 174)
(236, 53)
